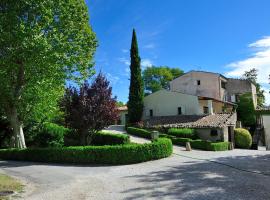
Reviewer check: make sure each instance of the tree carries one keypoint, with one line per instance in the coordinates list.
(120, 103)
(251, 75)
(43, 43)
(136, 93)
(246, 110)
(156, 78)
(91, 108)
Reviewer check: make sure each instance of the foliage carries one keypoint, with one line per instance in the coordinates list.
(90, 109)
(136, 91)
(183, 132)
(116, 154)
(139, 132)
(242, 138)
(109, 139)
(43, 43)
(251, 75)
(46, 135)
(120, 103)
(4, 132)
(246, 111)
(156, 78)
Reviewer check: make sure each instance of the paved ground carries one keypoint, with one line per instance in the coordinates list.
(181, 176)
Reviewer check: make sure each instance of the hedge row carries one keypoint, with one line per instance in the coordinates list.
(196, 144)
(103, 138)
(139, 132)
(117, 154)
(183, 132)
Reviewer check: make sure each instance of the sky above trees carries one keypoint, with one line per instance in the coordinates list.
(225, 36)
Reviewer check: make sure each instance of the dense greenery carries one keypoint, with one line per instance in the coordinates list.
(156, 78)
(246, 111)
(136, 91)
(183, 132)
(43, 43)
(90, 109)
(242, 138)
(116, 154)
(139, 132)
(196, 144)
(251, 75)
(109, 139)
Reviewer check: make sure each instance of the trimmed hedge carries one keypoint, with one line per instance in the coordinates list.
(183, 132)
(117, 154)
(139, 132)
(103, 138)
(198, 144)
(242, 138)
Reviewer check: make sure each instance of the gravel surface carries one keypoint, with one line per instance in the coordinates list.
(182, 176)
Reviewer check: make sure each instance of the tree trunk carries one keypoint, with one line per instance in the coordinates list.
(17, 139)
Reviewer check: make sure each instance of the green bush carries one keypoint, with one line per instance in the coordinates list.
(102, 138)
(209, 146)
(139, 132)
(116, 154)
(242, 138)
(46, 135)
(183, 132)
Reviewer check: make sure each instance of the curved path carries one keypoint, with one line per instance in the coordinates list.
(181, 176)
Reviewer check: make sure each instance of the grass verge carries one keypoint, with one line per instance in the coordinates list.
(8, 184)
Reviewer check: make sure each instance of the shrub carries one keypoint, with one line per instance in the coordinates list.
(110, 139)
(46, 135)
(242, 138)
(139, 132)
(183, 132)
(116, 154)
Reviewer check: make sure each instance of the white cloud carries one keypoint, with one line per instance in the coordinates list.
(113, 79)
(124, 50)
(267, 95)
(259, 59)
(124, 60)
(149, 46)
(146, 63)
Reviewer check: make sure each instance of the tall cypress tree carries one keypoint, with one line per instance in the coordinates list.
(136, 91)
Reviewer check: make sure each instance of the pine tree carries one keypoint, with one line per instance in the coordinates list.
(136, 90)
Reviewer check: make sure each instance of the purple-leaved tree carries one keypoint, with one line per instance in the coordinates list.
(90, 109)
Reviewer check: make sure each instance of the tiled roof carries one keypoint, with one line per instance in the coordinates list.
(122, 108)
(193, 121)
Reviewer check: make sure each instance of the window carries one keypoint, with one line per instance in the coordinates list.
(223, 84)
(151, 113)
(179, 111)
(214, 132)
(205, 110)
(198, 82)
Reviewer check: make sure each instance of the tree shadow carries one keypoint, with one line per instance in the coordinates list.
(203, 180)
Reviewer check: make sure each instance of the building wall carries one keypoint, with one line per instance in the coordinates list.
(266, 124)
(210, 84)
(166, 103)
(205, 134)
(123, 117)
(238, 87)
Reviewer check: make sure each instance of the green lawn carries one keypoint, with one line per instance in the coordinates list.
(9, 184)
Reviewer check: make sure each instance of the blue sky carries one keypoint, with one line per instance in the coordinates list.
(225, 36)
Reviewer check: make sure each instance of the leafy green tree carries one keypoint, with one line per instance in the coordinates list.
(156, 78)
(43, 44)
(120, 103)
(252, 76)
(136, 91)
(246, 110)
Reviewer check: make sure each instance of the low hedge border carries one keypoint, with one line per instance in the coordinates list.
(139, 132)
(196, 144)
(117, 154)
(107, 138)
(183, 133)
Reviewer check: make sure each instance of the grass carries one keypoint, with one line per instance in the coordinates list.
(9, 184)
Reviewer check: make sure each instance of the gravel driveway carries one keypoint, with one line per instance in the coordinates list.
(195, 175)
